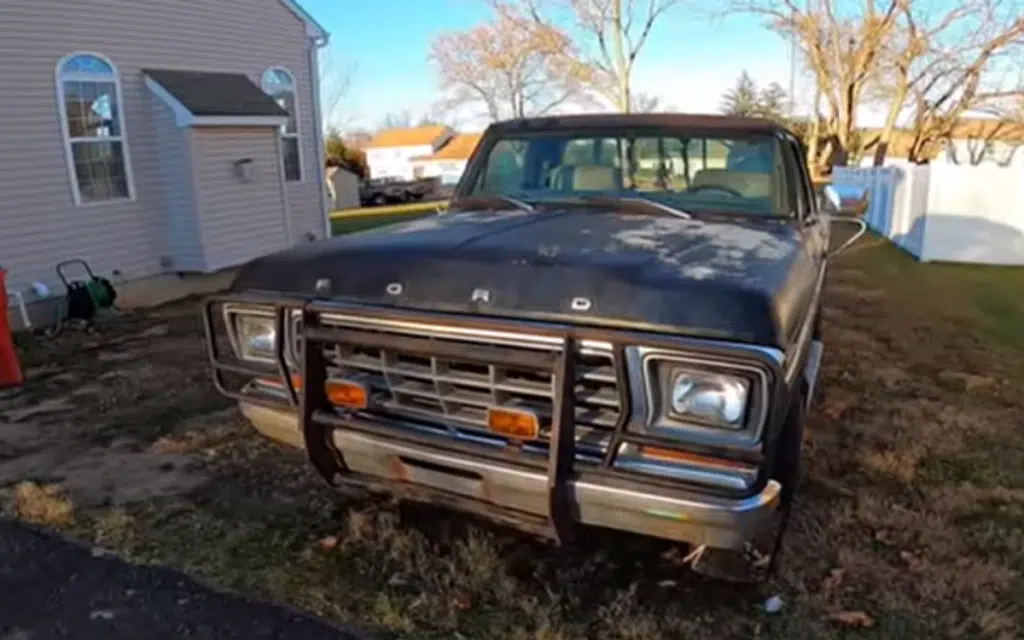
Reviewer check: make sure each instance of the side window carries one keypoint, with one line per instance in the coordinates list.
(92, 123)
(803, 191)
(504, 170)
(279, 84)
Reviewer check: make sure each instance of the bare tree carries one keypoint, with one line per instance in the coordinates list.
(962, 83)
(406, 119)
(934, 61)
(647, 103)
(336, 77)
(510, 68)
(842, 47)
(612, 35)
(985, 140)
(396, 120)
(943, 65)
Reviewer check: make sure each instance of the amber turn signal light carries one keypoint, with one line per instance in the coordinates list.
(514, 423)
(347, 394)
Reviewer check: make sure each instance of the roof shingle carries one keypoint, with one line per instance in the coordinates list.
(459, 147)
(206, 93)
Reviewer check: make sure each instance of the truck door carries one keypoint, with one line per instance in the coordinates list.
(814, 224)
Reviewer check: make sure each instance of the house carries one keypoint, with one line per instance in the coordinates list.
(163, 142)
(391, 153)
(449, 161)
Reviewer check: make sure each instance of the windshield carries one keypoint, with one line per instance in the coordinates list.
(687, 170)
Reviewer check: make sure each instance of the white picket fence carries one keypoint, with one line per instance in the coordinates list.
(943, 212)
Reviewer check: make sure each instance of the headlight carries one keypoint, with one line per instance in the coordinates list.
(710, 398)
(703, 400)
(253, 334)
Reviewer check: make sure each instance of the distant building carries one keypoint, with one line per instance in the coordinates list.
(391, 152)
(449, 161)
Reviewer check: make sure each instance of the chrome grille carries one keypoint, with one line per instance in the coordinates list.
(450, 393)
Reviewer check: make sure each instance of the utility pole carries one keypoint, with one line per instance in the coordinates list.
(792, 65)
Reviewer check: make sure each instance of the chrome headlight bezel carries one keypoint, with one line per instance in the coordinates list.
(659, 368)
(234, 315)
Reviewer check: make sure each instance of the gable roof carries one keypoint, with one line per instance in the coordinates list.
(460, 147)
(204, 97)
(413, 137)
(313, 28)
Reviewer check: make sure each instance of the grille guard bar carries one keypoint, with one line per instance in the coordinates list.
(317, 421)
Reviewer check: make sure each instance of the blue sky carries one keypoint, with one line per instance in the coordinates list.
(688, 62)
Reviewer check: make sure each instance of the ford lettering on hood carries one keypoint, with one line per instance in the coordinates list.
(734, 279)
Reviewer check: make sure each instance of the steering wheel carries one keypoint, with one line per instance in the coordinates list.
(715, 187)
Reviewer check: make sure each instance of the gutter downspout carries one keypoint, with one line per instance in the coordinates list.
(314, 73)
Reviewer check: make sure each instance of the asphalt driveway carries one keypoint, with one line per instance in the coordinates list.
(54, 588)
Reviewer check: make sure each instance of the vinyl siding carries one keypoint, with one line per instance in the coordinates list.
(39, 224)
(238, 220)
(182, 249)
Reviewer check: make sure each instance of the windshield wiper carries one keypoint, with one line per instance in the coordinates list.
(639, 201)
(488, 199)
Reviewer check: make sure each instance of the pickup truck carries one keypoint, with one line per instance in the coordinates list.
(390, 191)
(615, 323)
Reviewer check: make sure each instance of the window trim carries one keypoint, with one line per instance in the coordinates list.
(298, 120)
(69, 157)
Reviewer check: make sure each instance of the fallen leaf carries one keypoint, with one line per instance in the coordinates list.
(833, 580)
(855, 619)
(328, 542)
(913, 562)
(461, 601)
(168, 445)
(884, 537)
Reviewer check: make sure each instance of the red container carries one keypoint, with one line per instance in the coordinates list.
(10, 369)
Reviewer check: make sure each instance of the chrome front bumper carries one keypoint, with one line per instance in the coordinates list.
(679, 515)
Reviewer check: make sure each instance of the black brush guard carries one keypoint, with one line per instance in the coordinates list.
(318, 419)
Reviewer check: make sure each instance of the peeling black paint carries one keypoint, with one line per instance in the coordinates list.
(740, 279)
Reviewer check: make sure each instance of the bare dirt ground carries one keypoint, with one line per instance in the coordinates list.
(910, 521)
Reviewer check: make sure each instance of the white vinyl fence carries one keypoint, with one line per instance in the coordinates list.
(943, 212)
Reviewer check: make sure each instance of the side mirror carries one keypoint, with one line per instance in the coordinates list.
(848, 209)
(848, 201)
(829, 200)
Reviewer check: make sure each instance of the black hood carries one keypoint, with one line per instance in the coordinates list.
(739, 280)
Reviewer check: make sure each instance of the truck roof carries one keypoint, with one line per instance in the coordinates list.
(652, 120)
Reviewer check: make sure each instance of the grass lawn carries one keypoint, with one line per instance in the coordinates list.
(909, 521)
(349, 223)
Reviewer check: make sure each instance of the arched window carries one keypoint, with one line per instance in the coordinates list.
(279, 84)
(89, 95)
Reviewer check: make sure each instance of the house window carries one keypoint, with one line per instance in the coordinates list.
(89, 97)
(279, 84)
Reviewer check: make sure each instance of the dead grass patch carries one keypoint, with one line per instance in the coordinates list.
(913, 494)
(42, 504)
